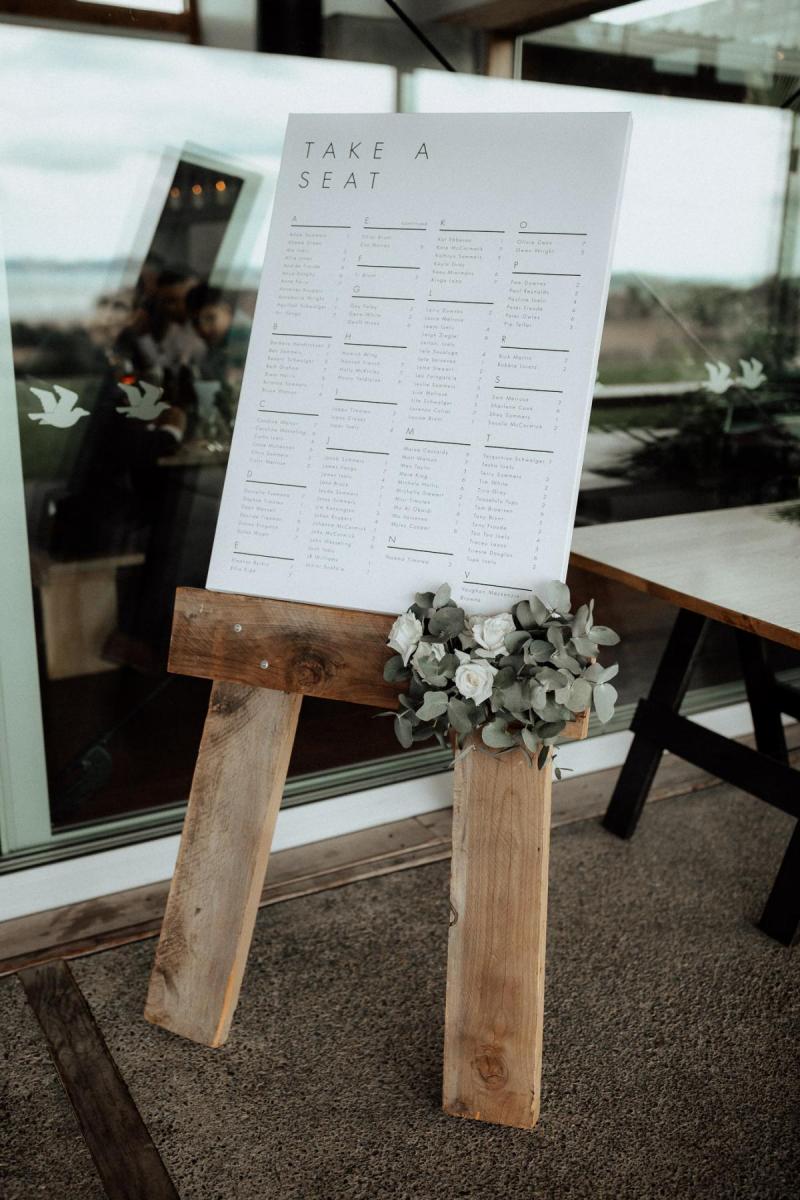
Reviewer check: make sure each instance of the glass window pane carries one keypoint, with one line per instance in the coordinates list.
(135, 194)
(702, 273)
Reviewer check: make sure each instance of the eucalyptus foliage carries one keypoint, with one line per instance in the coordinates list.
(517, 677)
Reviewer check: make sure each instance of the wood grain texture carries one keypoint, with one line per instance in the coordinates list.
(126, 1159)
(496, 947)
(216, 888)
(333, 653)
(740, 566)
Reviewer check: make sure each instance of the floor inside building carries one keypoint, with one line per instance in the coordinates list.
(670, 1044)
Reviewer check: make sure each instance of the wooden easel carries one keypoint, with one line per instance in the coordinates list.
(264, 656)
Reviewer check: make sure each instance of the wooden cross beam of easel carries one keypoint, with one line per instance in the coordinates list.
(264, 656)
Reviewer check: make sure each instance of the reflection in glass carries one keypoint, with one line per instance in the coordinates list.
(696, 404)
(135, 193)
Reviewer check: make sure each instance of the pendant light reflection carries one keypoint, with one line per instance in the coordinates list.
(197, 195)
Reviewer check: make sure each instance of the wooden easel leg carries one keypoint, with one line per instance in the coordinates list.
(496, 952)
(213, 901)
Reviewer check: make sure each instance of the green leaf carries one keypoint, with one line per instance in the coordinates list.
(422, 733)
(530, 739)
(434, 704)
(394, 671)
(504, 677)
(551, 679)
(555, 595)
(550, 729)
(431, 671)
(605, 697)
(461, 717)
(543, 753)
(581, 622)
(514, 661)
(580, 696)
(442, 595)
(403, 732)
(540, 610)
(513, 697)
(594, 673)
(608, 673)
(524, 615)
(496, 735)
(555, 635)
(566, 662)
(604, 636)
(516, 640)
(538, 651)
(585, 646)
(447, 622)
(424, 600)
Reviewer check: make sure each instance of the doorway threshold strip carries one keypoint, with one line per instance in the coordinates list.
(113, 920)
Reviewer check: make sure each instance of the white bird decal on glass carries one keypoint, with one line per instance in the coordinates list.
(719, 377)
(752, 373)
(58, 412)
(144, 405)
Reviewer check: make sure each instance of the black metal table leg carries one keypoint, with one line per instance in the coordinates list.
(762, 696)
(781, 915)
(668, 688)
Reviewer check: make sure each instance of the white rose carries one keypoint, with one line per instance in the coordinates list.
(429, 650)
(490, 633)
(474, 680)
(404, 635)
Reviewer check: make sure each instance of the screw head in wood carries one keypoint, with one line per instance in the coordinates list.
(237, 628)
(263, 664)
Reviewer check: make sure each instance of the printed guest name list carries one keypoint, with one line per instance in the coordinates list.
(418, 384)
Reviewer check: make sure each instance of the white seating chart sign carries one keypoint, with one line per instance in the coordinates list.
(417, 390)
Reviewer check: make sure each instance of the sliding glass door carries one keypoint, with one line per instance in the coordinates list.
(135, 194)
(696, 404)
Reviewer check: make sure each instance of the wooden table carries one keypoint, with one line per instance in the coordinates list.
(739, 567)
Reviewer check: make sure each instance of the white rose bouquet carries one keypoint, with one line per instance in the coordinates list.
(518, 677)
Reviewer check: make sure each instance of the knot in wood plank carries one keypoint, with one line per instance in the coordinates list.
(492, 1067)
(311, 666)
(230, 701)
